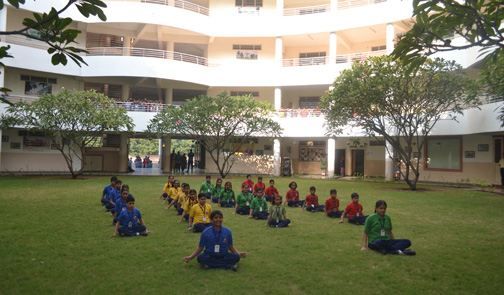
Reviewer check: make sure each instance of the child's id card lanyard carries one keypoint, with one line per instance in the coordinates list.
(204, 212)
(382, 233)
(217, 238)
(131, 217)
(358, 209)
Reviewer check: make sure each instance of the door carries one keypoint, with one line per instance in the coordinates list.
(339, 162)
(358, 162)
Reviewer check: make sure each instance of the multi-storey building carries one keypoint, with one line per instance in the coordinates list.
(286, 52)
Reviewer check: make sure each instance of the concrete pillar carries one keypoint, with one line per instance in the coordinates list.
(1, 151)
(166, 153)
(278, 98)
(331, 156)
(125, 92)
(161, 153)
(170, 46)
(389, 162)
(123, 153)
(278, 51)
(3, 20)
(169, 96)
(390, 38)
(277, 158)
(333, 42)
(279, 7)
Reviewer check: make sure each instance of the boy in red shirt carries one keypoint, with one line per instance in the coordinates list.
(332, 205)
(260, 185)
(249, 182)
(311, 202)
(271, 192)
(354, 211)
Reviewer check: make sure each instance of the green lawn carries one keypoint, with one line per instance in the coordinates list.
(56, 238)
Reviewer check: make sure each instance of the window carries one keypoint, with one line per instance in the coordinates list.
(312, 58)
(249, 3)
(241, 93)
(443, 154)
(38, 85)
(247, 47)
(309, 102)
(378, 48)
(246, 51)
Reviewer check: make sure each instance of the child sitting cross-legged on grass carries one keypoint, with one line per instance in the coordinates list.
(199, 216)
(258, 207)
(227, 197)
(378, 234)
(277, 215)
(332, 205)
(292, 196)
(311, 202)
(243, 201)
(189, 203)
(107, 190)
(354, 211)
(129, 219)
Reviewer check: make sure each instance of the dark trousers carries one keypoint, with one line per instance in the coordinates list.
(186, 216)
(199, 227)
(219, 260)
(215, 200)
(243, 210)
(104, 201)
(358, 220)
(295, 204)
(390, 246)
(132, 231)
(165, 195)
(180, 210)
(281, 223)
(268, 198)
(109, 206)
(315, 209)
(334, 214)
(191, 166)
(260, 215)
(502, 176)
(227, 204)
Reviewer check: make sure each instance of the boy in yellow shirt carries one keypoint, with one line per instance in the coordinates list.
(199, 216)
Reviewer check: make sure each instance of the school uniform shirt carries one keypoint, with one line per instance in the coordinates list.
(259, 205)
(292, 195)
(211, 237)
(167, 187)
(189, 204)
(271, 191)
(242, 200)
(197, 212)
(206, 187)
(125, 217)
(174, 191)
(259, 185)
(227, 196)
(332, 204)
(277, 212)
(181, 198)
(217, 190)
(107, 190)
(374, 225)
(249, 183)
(120, 205)
(352, 209)
(311, 200)
(114, 195)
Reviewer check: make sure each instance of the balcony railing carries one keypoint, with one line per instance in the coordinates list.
(307, 10)
(181, 4)
(147, 52)
(324, 60)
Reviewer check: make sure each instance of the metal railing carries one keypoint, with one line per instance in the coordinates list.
(357, 3)
(301, 113)
(324, 60)
(147, 52)
(307, 10)
(181, 4)
(142, 106)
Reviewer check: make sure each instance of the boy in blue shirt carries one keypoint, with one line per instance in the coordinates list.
(107, 190)
(129, 219)
(120, 204)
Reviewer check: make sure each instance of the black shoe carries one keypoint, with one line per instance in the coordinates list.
(144, 233)
(256, 218)
(234, 267)
(122, 234)
(409, 252)
(382, 251)
(205, 267)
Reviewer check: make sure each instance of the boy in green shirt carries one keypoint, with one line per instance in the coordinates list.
(258, 207)
(207, 186)
(243, 201)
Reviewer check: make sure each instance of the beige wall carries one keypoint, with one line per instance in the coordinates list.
(13, 80)
(265, 93)
(222, 48)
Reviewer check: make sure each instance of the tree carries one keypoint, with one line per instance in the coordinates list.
(73, 120)
(50, 28)
(221, 124)
(478, 22)
(142, 146)
(378, 96)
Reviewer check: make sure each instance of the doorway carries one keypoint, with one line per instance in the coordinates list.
(339, 162)
(358, 162)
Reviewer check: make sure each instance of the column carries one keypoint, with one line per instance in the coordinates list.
(123, 153)
(169, 96)
(331, 156)
(161, 153)
(170, 46)
(278, 98)
(3, 28)
(333, 42)
(390, 38)
(276, 158)
(278, 51)
(1, 149)
(279, 7)
(166, 153)
(125, 92)
(389, 162)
